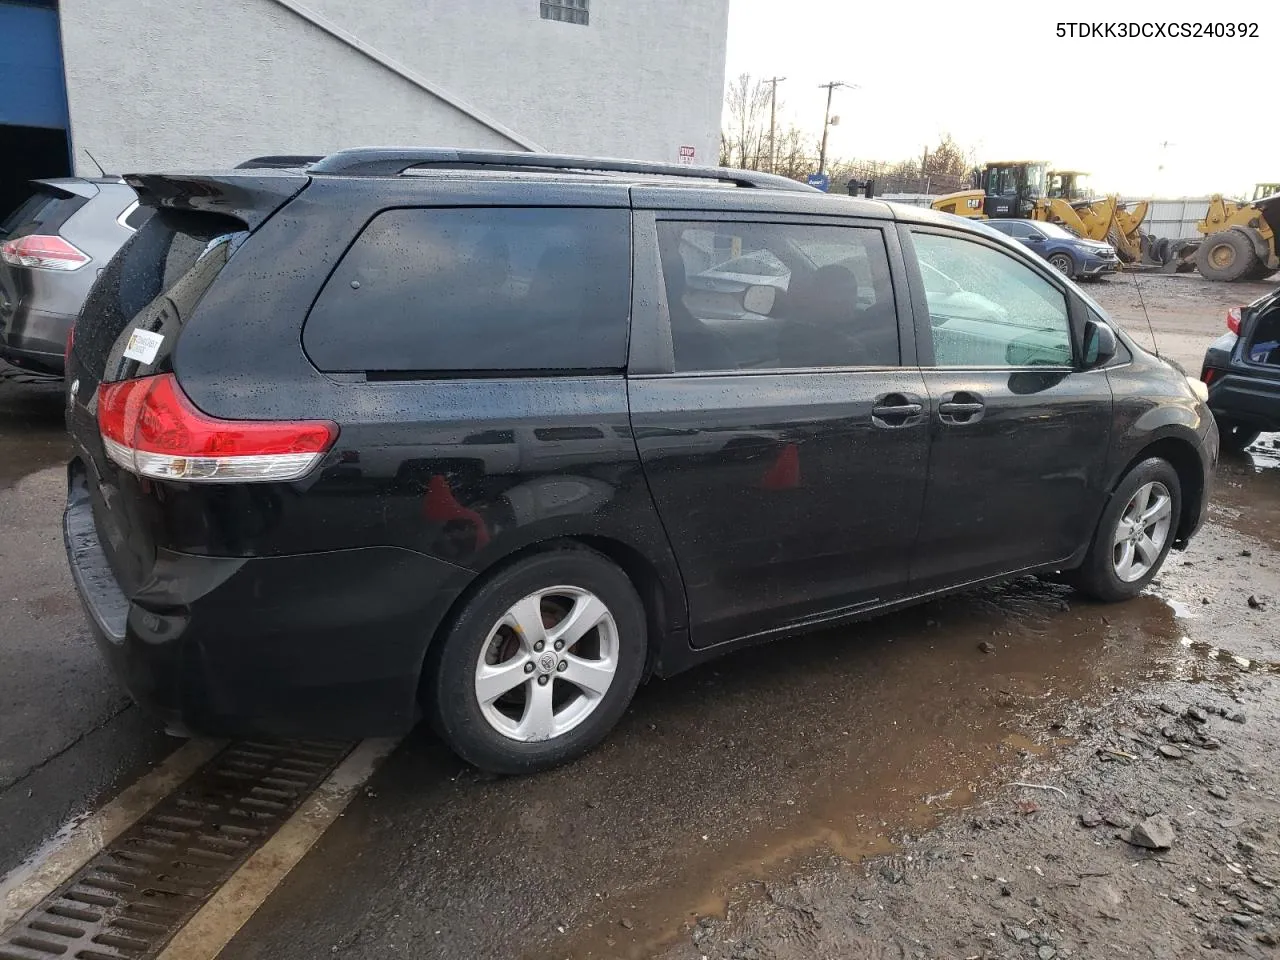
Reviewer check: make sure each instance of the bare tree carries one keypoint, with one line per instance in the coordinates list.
(797, 153)
(743, 141)
(947, 162)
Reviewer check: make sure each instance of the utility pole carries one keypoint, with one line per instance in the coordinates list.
(773, 119)
(826, 120)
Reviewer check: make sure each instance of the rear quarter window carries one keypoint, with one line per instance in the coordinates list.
(478, 289)
(43, 212)
(135, 215)
(154, 269)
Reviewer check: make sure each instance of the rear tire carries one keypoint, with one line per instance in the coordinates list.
(1135, 534)
(505, 696)
(1234, 437)
(1226, 255)
(1064, 263)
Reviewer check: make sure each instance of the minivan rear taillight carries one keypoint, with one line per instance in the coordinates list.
(43, 253)
(1233, 320)
(150, 428)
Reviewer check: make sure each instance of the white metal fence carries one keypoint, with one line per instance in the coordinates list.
(913, 199)
(1175, 219)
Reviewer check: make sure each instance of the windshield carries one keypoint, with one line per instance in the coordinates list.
(1002, 181)
(1035, 179)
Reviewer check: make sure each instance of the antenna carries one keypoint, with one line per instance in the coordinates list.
(1143, 301)
(95, 163)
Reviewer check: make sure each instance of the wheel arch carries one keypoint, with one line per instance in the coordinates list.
(1260, 245)
(1181, 454)
(663, 601)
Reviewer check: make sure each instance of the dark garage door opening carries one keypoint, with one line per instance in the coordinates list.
(33, 108)
(29, 153)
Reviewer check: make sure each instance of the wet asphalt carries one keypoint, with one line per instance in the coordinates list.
(731, 773)
(69, 737)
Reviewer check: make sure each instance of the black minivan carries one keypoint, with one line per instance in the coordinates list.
(493, 437)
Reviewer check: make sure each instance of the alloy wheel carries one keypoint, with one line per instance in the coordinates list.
(1142, 531)
(547, 664)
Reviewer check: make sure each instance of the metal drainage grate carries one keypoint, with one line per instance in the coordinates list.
(129, 900)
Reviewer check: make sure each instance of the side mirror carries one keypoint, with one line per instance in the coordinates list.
(1099, 344)
(1036, 238)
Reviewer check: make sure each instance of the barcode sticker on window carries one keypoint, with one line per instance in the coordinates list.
(143, 346)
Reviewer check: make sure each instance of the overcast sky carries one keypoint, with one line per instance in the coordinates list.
(995, 75)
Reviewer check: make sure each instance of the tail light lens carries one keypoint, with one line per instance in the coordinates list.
(150, 428)
(43, 253)
(1233, 320)
(1207, 374)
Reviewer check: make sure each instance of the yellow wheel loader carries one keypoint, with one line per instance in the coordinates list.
(1002, 189)
(1027, 189)
(1239, 238)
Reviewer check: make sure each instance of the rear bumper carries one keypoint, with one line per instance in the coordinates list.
(1242, 393)
(36, 340)
(323, 645)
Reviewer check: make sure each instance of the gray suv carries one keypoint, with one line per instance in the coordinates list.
(52, 248)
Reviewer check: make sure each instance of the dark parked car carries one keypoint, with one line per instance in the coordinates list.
(1067, 253)
(51, 250)
(1242, 369)
(497, 436)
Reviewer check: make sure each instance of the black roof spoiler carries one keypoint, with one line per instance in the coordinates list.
(393, 161)
(250, 198)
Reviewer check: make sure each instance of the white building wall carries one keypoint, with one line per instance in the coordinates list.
(155, 84)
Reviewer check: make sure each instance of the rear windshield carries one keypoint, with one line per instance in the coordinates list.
(478, 289)
(43, 212)
(146, 270)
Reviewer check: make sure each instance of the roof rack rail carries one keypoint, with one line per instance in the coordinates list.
(392, 161)
(278, 162)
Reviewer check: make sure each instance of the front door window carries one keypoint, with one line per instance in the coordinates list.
(987, 309)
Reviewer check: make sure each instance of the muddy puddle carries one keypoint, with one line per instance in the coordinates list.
(1202, 662)
(877, 731)
(1247, 491)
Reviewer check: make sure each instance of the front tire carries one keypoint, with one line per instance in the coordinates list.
(1136, 532)
(1226, 255)
(540, 664)
(1064, 263)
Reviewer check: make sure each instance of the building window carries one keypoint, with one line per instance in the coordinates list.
(566, 11)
